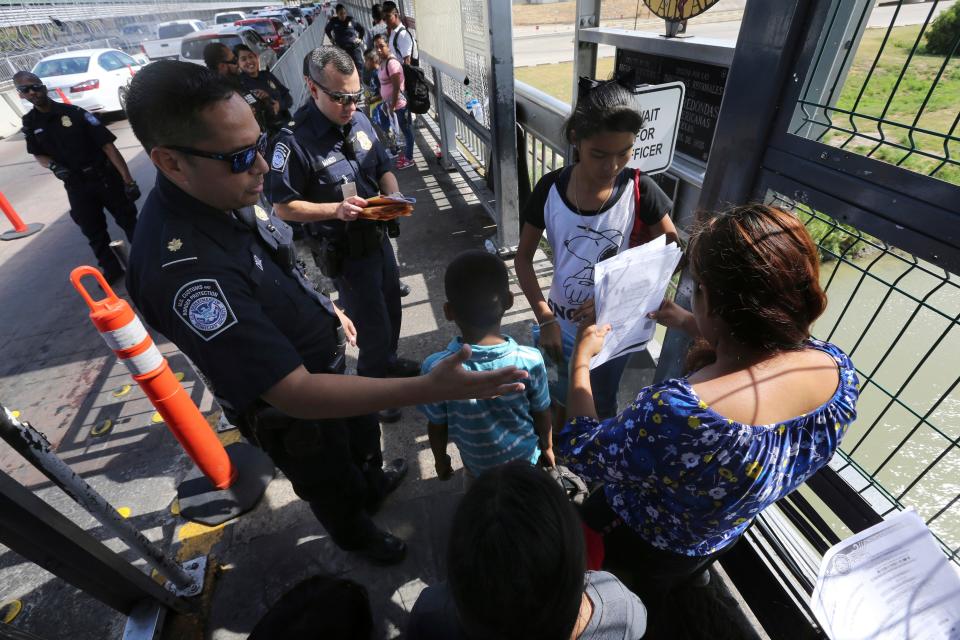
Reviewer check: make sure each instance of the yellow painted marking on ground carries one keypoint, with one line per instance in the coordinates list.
(124, 511)
(156, 418)
(179, 376)
(175, 507)
(15, 413)
(197, 539)
(122, 391)
(10, 610)
(229, 437)
(100, 429)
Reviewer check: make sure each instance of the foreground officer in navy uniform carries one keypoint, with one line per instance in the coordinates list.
(79, 150)
(215, 274)
(321, 169)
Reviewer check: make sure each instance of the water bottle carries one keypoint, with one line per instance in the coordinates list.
(471, 104)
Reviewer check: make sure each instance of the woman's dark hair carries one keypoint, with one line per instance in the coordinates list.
(761, 272)
(607, 107)
(376, 12)
(516, 558)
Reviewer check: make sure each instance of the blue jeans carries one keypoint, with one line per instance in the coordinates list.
(405, 118)
(604, 380)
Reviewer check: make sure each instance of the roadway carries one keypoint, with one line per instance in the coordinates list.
(551, 44)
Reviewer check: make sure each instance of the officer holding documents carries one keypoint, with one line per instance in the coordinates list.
(216, 274)
(322, 169)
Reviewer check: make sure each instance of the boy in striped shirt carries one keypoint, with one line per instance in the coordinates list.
(488, 432)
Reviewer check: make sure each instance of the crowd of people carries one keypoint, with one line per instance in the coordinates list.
(675, 477)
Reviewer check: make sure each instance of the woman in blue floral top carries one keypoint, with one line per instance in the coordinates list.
(691, 462)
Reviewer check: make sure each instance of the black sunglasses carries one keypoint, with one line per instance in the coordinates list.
(235, 61)
(343, 99)
(27, 88)
(240, 161)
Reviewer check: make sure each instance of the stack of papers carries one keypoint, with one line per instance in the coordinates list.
(627, 287)
(889, 582)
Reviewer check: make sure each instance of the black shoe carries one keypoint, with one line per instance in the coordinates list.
(403, 368)
(389, 415)
(404, 290)
(384, 548)
(393, 475)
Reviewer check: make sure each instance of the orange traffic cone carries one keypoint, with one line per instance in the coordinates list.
(20, 230)
(63, 97)
(125, 334)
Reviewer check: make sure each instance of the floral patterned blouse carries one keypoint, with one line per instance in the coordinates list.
(689, 480)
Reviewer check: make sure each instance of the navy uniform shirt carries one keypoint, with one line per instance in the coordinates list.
(71, 136)
(266, 81)
(213, 284)
(346, 34)
(313, 158)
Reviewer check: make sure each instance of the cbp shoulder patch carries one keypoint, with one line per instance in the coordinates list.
(92, 119)
(203, 307)
(280, 154)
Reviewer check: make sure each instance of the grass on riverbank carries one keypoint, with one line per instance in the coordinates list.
(557, 79)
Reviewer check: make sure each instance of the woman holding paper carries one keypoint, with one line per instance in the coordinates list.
(692, 461)
(590, 210)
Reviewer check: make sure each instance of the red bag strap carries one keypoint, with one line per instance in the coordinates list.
(639, 228)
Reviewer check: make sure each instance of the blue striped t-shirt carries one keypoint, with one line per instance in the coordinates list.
(495, 431)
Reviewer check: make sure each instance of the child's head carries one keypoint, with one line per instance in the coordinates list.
(516, 558)
(478, 293)
(603, 129)
(371, 59)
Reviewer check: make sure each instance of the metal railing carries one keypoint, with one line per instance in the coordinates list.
(898, 318)
(891, 95)
(289, 68)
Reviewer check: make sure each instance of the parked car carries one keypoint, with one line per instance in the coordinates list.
(131, 35)
(95, 79)
(228, 17)
(169, 35)
(283, 16)
(191, 48)
(277, 36)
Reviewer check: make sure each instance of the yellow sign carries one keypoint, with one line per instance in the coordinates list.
(676, 10)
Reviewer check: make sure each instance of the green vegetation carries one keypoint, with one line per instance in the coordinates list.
(944, 32)
(557, 79)
(909, 92)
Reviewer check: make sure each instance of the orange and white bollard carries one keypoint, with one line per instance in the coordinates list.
(63, 97)
(125, 334)
(20, 230)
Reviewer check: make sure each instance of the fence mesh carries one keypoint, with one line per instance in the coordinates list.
(898, 318)
(893, 91)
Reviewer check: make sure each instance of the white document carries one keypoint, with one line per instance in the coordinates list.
(889, 582)
(627, 287)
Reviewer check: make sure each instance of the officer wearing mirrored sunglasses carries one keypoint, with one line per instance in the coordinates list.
(216, 274)
(79, 150)
(321, 170)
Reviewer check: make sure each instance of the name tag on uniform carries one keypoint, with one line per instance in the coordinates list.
(328, 161)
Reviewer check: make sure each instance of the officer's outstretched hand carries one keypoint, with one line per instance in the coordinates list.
(453, 382)
(349, 209)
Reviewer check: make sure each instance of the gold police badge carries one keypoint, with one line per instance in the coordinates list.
(66, 121)
(364, 141)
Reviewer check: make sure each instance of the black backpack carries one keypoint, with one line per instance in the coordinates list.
(414, 80)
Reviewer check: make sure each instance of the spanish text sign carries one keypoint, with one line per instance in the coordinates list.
(660, 106)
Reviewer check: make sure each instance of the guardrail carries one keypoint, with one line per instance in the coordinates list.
(289, 68)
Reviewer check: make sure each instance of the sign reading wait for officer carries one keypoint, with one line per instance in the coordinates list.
(660, 106)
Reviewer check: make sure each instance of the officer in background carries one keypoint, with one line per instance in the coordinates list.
(79, 150)
(265, 87)
(215, 273)
(223, 61)
(346, 33)
(321, 170)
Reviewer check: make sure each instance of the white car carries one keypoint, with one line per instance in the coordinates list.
(229, 17)
(95, 79)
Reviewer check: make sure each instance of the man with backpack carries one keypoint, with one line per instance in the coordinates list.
(401, 42)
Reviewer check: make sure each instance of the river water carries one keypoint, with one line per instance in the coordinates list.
(917, 323)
